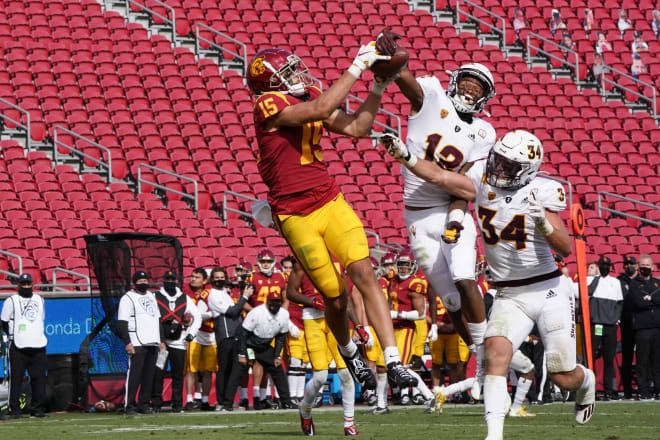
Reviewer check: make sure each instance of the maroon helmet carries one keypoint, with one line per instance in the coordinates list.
(266, 256)
(276, 69)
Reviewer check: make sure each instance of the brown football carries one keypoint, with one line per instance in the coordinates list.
(393, 66)
(187, 318)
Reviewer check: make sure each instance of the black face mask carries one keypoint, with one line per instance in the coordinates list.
(25, 292)
(219, 284)
(604, 269)
(170, 287)
(645, 271)
(141, 287)
(274, 307)
(630, 270)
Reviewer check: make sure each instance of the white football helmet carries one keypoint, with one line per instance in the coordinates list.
(514, 160)
(464, 103)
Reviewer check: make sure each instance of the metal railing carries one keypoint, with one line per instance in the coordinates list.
(60, 288)
(602, 194)
(56, 142)
(26, 127)
(199, 50)
(492, 27)
(652, 101)
(171, 22)
(575, 66)
(20, 264)
(565, 182)
(140, 181)
(397, 131)
(225, 209)
(395, 247)
(47, 291)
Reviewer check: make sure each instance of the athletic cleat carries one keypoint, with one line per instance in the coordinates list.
(405, 399)
(520, 412)
(307, 425)
(418, 399)
(438, 400)
(360, 371)
(378, 410)
(245, 404)
(400, 376)
(351, 431)
(584, 401)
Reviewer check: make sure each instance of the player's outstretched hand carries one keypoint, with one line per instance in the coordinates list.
(433, 333)
(386, 42)
(397, 149)
(365, 58)
(452, 232)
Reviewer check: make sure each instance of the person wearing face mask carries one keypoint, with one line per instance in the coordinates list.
(605, 306)
(261, 337)
(645, 295)
(176, 308)
(627, 332)
(226, 319)
(141, 330)
(23, 320)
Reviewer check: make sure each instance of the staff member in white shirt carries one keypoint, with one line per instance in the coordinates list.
(23, 318)
(142, 332)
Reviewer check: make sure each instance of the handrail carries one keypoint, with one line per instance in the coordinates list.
(380, 110)
(172, 22)
(236, 211)
(379, 244)
(198, 49)
(548, 54)
(77, 152)
(69, 272)
(627, 199)
(20, 264)
(28, 138)
(140, 181)
(566, 182)
(651, 101)
(46, 291)
(502, 32)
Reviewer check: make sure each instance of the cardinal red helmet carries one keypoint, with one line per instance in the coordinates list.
(277, 69)
(264, 256)
(406, 262)
(388, 258)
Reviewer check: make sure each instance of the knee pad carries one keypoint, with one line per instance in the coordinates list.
(557, 362)
(451, 300)
(344, 375)
(320, 376)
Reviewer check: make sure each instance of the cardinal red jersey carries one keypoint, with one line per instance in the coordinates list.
(442, 313)
(384, 286)
(308, 289)
(264, 285)
(290, 158)
(295, 314)
(400, 299)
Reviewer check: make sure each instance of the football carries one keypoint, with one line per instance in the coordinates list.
(392, 67)
(187, 319)
(104, 406)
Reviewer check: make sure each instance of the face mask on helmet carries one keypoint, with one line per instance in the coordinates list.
(514, 160)
(292, 76)
(464, 100)
(277, 69)
(405, 267)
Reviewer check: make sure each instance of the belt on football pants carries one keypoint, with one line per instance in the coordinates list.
(527, 281)
(417, 208)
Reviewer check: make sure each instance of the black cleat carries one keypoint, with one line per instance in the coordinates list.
(360, 371)
(399, 375)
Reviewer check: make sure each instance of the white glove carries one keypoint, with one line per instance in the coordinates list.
(366, 57)
(370, 342)
(381, 83)
(433, 333)
(397, 149)
(293, 330)
(394, 314)
(537, 212)
(261, 212)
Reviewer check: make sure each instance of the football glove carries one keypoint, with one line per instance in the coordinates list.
(397, 149)
(366, 57)
(386, 42)
(537, 212)
(433, 333)
(318, 304)
(294, 331)
(189, 337)
(452, 232)
(364, 335)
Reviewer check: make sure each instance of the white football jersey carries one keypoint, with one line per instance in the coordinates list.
(437, 133)
(515, 249)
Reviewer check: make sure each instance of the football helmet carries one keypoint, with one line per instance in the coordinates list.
(276, 69)
(388, 258)
(465, 103)
(406, 261)
(244, 267)
(263, 257)
(514, 160)
(374, 263)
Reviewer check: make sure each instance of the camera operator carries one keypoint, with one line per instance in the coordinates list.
(227, 320)
(181, 320)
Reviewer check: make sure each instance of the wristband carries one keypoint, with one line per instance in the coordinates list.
(545, 227)
(409, 161)
(456, 215)
(355, 71)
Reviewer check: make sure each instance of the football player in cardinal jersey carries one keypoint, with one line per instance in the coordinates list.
(520, 225)
(307, 207)
(443, 128)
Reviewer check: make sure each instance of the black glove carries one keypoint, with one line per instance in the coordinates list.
(189, 337)
(386, 42)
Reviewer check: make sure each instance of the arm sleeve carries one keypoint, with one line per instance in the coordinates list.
(242, 335)
(280, 339)
(123, 332)
(235, 310)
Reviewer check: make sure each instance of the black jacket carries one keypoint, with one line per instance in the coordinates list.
(225, 325)
(645, 297)
(626, 314)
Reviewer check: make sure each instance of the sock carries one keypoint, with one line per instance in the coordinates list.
(495, 402)
(189, 398)
(391, 354)
(421, 387)
(293, 375)
(477, 330)
(349, 349)
(587, 380)
(521, 392)
(242, 393)
(255, 393)
(381, 390)
(198, 396)
(300, 386)
(348, 396)
(311, 391)
(205, 399)
(262, 393)
(458, 387)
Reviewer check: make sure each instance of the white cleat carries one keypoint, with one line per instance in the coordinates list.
(437, 401)
(585, 401)
(520, 412)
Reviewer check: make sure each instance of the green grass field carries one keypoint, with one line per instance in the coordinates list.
(612, 421)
